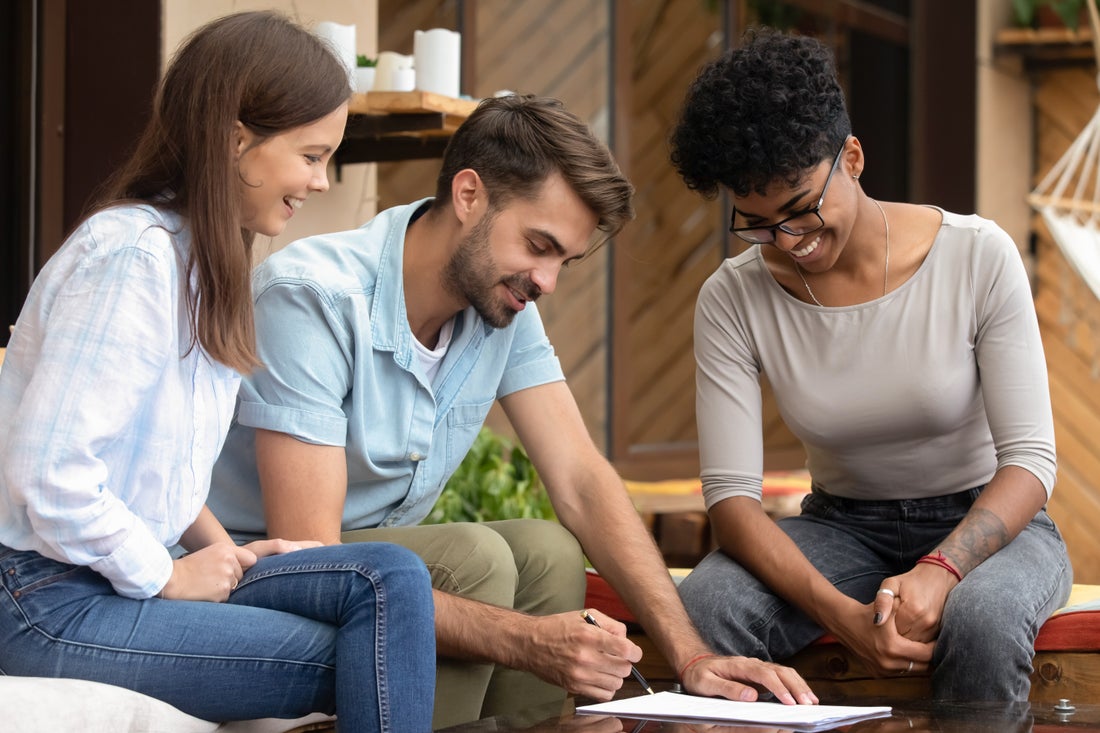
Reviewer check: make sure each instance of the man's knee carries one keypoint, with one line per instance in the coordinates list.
(542, 548)
(550, 563)
(474, 562)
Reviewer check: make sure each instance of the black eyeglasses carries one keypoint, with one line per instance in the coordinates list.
(802, 223)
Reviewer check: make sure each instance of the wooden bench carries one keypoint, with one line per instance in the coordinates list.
(675, 514)
(1066, 664)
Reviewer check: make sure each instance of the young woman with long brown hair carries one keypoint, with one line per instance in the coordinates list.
(118, 389)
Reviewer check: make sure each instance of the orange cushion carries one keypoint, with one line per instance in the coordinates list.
(599, 595)
(1072, 631)
(776, 483)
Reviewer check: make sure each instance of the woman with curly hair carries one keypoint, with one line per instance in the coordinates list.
(116, 395)
(903, 348)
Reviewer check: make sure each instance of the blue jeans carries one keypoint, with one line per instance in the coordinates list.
(346, 629)
(989, 624)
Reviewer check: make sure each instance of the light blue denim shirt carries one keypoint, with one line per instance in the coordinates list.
(109, 419)
(340, 369)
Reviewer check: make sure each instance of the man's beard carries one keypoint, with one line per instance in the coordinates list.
(471, 274)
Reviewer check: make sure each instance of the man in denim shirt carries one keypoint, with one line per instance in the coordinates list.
(383, 350)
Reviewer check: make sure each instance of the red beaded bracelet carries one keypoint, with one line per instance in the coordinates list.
(693, 660)
(940, 560)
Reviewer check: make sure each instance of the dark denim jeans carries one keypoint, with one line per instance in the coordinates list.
(986, 644)
(346, 629)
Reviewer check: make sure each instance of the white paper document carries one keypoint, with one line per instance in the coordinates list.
(676, 706)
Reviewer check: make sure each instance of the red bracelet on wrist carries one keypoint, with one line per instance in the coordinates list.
(940, 560)
(692, 661)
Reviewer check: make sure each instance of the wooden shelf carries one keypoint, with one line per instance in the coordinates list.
(389, 126)
(405, 102)
(1047, 47)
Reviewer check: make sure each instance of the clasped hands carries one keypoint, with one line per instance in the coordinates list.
(595, 662)
(213, 572)
(896, 633)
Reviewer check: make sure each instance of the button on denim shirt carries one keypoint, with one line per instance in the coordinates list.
(340, 370)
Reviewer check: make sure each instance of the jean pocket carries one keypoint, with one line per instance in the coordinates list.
(27, 571)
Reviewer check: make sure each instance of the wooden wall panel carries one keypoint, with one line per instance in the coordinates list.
(1069, 318)
(677, 240)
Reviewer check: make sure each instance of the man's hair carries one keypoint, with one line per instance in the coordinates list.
(273, 76)
(515, 143)
(767, 111)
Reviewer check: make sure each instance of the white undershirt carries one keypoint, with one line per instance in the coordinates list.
(430, 359)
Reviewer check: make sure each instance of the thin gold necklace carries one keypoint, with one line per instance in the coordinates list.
(885, 275)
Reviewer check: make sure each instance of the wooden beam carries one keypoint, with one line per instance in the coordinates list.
(467, 26)
(861, 16)
(619, 372)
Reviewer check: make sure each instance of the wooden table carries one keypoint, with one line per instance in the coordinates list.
(909, 716)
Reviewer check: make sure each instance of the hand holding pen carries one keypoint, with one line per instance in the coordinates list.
(633, 670)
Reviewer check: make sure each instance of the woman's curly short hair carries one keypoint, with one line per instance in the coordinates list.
(769, 110)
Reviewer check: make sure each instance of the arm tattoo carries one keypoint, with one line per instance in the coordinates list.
(980, 534)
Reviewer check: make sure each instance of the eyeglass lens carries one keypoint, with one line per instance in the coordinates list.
(797, 225)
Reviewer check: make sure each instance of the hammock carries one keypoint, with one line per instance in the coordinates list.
(1068, 197)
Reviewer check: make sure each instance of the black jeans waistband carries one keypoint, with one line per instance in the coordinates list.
(959, 500)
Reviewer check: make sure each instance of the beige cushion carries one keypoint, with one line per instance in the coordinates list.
(35, 705)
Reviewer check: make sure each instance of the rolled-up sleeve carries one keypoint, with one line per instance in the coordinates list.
(531, 360)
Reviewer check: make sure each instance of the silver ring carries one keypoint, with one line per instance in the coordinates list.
(910, 667)
(886, 592)
(234, 586)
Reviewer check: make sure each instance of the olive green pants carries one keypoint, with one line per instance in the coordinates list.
(531, 565)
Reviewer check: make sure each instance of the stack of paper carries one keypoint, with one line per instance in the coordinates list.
(677, 707)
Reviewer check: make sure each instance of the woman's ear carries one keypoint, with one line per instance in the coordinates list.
(241, 139)
(853, 157)
(468, 195)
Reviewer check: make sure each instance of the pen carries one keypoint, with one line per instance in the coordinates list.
(633, 670)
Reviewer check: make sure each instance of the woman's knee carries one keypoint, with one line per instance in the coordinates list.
(980, 623)
(402, 571)
(715, 583)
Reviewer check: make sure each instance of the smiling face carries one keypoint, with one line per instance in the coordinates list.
(514, 255)
(278, 173)
(826, 197)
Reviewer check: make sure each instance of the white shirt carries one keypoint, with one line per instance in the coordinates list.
(110, 424)
(430, 359)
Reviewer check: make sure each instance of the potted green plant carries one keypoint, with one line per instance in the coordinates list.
(1044, 13)
(364, 73)
(496, 480)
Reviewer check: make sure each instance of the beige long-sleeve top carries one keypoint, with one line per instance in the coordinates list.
(923, 392)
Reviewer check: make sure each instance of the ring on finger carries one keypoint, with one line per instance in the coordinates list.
(886, 592)
(909, 668)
